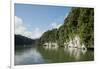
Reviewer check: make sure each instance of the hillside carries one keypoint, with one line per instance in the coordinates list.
(22, 40)
(79, 23)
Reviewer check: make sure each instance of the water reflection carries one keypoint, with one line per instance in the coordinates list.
(75, 53)
(45, 54)
(28, 56)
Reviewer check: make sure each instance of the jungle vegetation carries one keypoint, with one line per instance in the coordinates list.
(80, 21)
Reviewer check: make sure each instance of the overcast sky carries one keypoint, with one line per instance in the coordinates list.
(33, 20)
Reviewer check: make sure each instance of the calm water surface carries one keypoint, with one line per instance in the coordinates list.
(41, 55)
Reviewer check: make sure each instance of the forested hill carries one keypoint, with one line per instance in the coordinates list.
(22, 40)
(80, 22)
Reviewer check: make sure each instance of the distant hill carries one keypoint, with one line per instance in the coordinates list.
(22, 40)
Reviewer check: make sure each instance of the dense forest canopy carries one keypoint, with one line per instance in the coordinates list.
(80, 21)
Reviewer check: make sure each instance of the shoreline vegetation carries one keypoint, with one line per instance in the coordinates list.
(76, 32)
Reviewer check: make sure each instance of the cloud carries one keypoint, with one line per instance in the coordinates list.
(55, 25)
(19, 26)
(37, 33)
(21, 29)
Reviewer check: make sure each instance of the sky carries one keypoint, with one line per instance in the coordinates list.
(33, 20)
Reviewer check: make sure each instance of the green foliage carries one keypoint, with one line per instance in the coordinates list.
(49, 36)
(80, 21)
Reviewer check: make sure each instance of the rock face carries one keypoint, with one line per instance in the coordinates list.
(77, 30)
(50, 45)
(74, 43)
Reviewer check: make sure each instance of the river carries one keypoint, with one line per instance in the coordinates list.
(40, 55)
